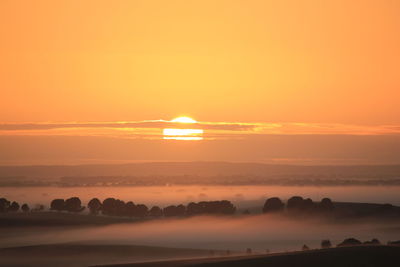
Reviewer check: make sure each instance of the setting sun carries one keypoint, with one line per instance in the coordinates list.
(184, 120)
(183, 134)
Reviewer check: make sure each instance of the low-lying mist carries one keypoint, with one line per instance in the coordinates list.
(259, 232)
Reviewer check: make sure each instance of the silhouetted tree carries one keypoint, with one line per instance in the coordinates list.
(193, 209)
(109, 206)
(130, 209)
(273, 204)
(174, 211)
(120, 208)
(170, 211)
(141, 210)
(373, 241)
(219, 207)
(349, 242)
(305, 247)
(308, 205)
(181, 210)
(117, 207)
(156, 212)
(249, 251)
(326, 243)
(4, 205)
(73, 204)
(326, 205)
(94, 206)
(210, 207)
(246, 212)
(25, 208)
(14, 207)
(38, 207)
(295, 203)
(57, 204)
(227, 207)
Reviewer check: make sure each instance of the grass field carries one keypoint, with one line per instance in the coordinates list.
(360, 256)
(75, 254)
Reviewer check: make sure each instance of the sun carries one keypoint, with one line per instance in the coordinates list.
(184, 119)
(183, 134)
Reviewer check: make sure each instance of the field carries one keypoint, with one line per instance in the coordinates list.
(362, 256)
(75, 254)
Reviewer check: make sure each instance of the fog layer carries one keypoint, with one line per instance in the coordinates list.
(258, 232)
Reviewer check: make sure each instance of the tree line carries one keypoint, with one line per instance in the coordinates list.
(117, 207)
(8, 206)
(297, 204)
(326, 243)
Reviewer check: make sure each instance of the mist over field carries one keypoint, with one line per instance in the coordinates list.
(203, 182)
(261, 232)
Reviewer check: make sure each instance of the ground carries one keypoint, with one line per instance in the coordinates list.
(361, 256)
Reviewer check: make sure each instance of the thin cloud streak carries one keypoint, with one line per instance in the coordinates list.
(153, 124)
(212, 130)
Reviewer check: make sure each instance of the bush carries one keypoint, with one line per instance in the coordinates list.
(25, 208)
(349, 242)
(373, 241)
(326, 243)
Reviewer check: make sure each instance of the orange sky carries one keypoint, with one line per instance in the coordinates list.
(247, 61)
(244, 69)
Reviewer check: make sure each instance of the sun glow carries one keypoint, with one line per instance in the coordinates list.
(183, 134)
(184, 120)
